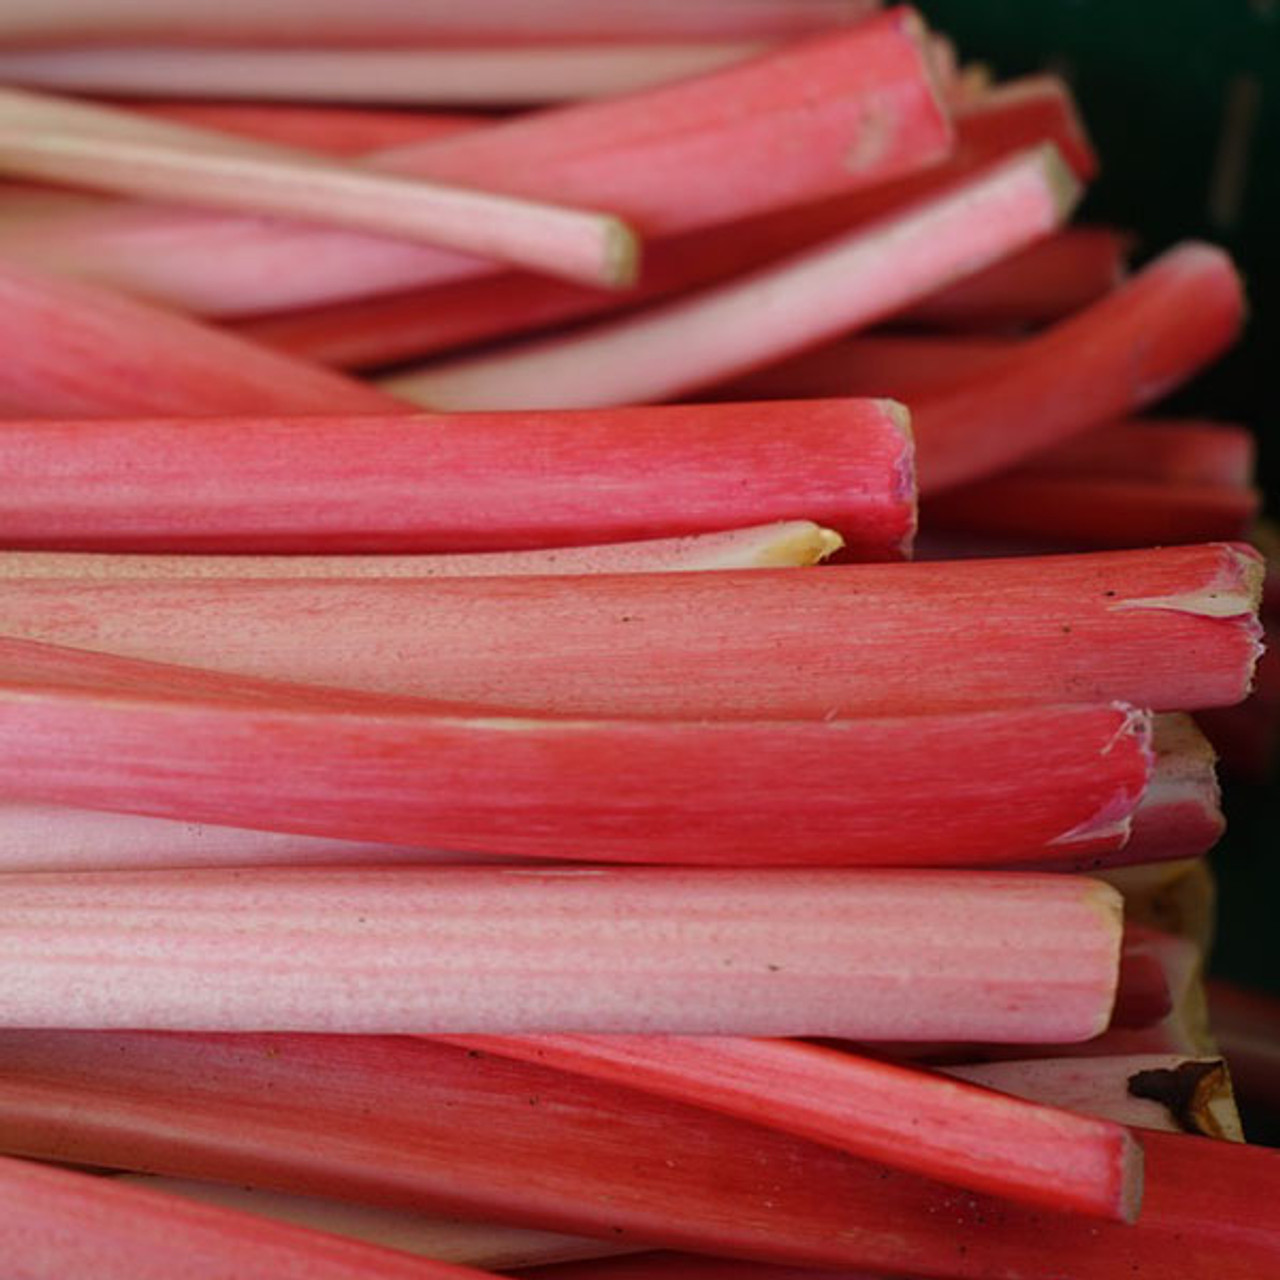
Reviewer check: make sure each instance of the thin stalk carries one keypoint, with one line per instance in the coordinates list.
(57, 1223)
(494, 950)
(1116, 357)
(91, 730)
(1166, 628)
(795, 543)
(1161, 1092)
(834, 114)
(52, 139)
(74, 349)
(847, 283)
(418, 1123)
(464, 482)
(898, 1116)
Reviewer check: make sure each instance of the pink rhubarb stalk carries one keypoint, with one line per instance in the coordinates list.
(1162, 1092)
(52, 139)
(421, 1124)
(1166, 628)
(837, 113)
(333, 22)
(465, 482)
(847, 283)
(898, 1116)
(501, 950)
(1118, 356)
(101, 732)
(76, 350)
(501, 75)
(794, 543)
(56, 1223)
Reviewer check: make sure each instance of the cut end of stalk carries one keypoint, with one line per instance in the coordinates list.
(905, 486)
(622, 253)
(1065, 188)
(797, 543)
(1109, 903)
(1197, 1095)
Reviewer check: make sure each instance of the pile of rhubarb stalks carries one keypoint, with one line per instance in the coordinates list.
(450, 820)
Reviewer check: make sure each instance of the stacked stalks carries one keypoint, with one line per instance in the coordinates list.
(446, 820)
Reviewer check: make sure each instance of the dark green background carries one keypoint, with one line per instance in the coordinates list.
(1158, 82)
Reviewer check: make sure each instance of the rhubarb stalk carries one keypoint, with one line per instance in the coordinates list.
(1169, 628)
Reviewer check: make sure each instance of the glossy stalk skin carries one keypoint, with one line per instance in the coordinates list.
(1123, 353)
(846, 283)
(795, 543)
(413, 325)
(56, 1223)
(900, 1117)
(497, 950)
(46, 138)
(698, 153)
(418, 1123)
(95, 731)
(75, 350)
(907, 639)
(458, 483)
(473, 76)
(330, 22)
(1187, 1095)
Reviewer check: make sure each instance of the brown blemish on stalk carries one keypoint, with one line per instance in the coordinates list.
(1187, 1092)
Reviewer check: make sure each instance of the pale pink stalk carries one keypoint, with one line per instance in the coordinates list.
(793, 543)
(57, 1224)
(1166, 628)
(1116, 357)
(1164, 1092)
(76, 350)
(823, 117)
(88, 729)
(428, 21)
(517, 950)
(53, 139)
(499, 75)
(488, 1245)
(898, 1116)
(847, 283)
(465, 482)
(410, 1122)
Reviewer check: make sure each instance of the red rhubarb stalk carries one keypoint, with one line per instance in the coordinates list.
(1163, 1092)
(1116, 357)
(846, 283)
(75, 350)
(790, 543)
(428, 21)
(476, 76)
(1168, 628)
(503, 950)
(56, 1223)
(488, 1245)
(52, 139)
(457, 483)
(898, 1116)
(837, 113)
(421, 1124)
(203, 746)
